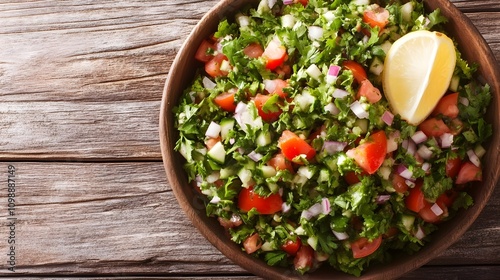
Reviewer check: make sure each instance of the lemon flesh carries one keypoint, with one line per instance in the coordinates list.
(417, 72)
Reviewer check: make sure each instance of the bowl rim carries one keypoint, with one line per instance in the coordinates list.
(255, 266)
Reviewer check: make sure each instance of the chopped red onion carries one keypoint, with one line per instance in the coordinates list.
(332, 147)
(325, 206)
(255, 156)
(446, 140)
(213, 130)
(280, 191)
(339, 93)
(424, 152)
(288, 2)
(285, 207)
(334, 70)
(330, 107)
(313, 211)
(410, 183)
(383, 198)
(388, 118)
(208, 84)
(436, 209)
(419, 137)
(420, 234)
(426, 166)
(404, 172)
(409, 146)
(340, 235)
(464, 101)
(358, 110)
(474, 158)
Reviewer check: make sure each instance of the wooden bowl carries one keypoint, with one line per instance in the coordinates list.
(473, 47)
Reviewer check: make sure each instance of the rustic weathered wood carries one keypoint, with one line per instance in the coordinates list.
(122, 218)
(80, 88)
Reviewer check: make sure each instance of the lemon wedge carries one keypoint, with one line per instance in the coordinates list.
(417, 72)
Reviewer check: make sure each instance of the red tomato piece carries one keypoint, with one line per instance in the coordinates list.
(352, 178)
(292, 146)
(447, 198)
(378, 17)
(252, 243)
(371, 154)
(225, 100)
(254, 50)
(303, 261)
(202, 54)
(399, 183)
(453, 166)
(303, 2)
(274, 54)
(447, 106)
(364, 247)
(279, 162)
(291, 247)
(415, 200)
(268, 116)
(247, 200)
(368, 90)
(213, 66)
(468, 173)
(433, 127)
(456, 126)
(428, 215)
(357, 70)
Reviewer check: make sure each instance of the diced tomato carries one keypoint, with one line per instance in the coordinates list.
(210, 142)
(368, 90)
(468, 173)
(378, 17)
(317, 132)
(303, 2)
(303, 261)
(252, 243)
(357, 70)
(456, 126)
(279, 162)
(276, 86)
(254, 50)
(284, 70)
(433, 127)
(453, 166)
(371, 154)
(292, 246)
(364, 247)
(268, 116)
(399, 183)
(447, 106)
(447, 198)
(203, 52)
(391, 232)
(213, 66)
(274, 54)
(428, 215)
(415, 201)
(247, 200)
(230, 223)
(352, 178)
(292, 146)
(225, 100)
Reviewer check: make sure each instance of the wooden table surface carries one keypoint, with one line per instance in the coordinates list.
(80, 89)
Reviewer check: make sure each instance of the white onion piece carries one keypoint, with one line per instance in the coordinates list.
(404, 172)
(215, 200)
(232, 141)
(255, 156)
(315, 33)
(314, 71)
(420, 234)
(208, 84)
(473, 158)
(410, 183)
(288, 21)
(213, 130)
(436, 209)
(325, 206)
(392, 143)
(358, 110)
(340, 235)
(383, 198)
(424, 152)
(419, 137)
(339, 93)
(271, 3)
(285, 207)
(426, 166)
(269, 85)
(388, 118)
(332, 109)
(332, 147)
(446, 140)
(464, 101)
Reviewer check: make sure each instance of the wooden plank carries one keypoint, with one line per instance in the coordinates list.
(477, 5)
(85, 80)
(122, 218)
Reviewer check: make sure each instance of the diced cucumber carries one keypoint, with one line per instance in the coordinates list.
(455, 81)
(408, 221)
(406, 11)
(264, 138)
(245, 176)
(268, 171)
(362, 124)
(226, 125)
(377, 66)
(227, 172)
(218, 153)
(313, 242)
(324, 175)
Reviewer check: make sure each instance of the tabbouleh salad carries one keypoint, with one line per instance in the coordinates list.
(289, 139)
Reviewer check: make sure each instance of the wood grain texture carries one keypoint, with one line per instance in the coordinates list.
(122, 218)
(101, 67)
